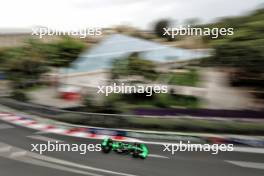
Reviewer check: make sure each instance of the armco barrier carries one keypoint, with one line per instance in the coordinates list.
(248, 114)
(95, 119)
(122, 121)
(125, 134)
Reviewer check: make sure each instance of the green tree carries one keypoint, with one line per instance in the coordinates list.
(133, 65)
(159, 27)
(139, 66)
(245, 49)
(64, 52)
(26, 71)
(24, 65)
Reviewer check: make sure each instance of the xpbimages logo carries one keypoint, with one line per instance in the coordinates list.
(197, 31)
(183, 147)
(128, 89)
(61, 147)
(81, 33)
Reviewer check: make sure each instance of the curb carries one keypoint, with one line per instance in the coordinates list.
(128, 135)
(58, 129)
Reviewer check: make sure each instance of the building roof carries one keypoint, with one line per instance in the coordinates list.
(120, 46)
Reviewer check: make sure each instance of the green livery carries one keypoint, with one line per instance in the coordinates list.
(136, 150)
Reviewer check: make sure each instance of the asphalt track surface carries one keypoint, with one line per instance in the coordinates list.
(16, 159)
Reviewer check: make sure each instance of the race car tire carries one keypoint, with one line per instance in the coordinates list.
(135, 154)
(106, 149)
(141, 157)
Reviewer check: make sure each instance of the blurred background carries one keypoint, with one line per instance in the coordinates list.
(49, 86)
(207, 78)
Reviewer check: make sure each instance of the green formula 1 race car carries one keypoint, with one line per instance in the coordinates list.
(136, 150)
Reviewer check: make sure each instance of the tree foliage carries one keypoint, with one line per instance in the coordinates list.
(64, 52)
(133, 66)
(24, 65)
(245, 49)
(159, 27)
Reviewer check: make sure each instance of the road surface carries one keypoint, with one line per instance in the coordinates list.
(16, 159)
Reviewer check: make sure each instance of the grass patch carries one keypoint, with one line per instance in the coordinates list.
(126, 103)
(199, 125)
(34, 87)
(190, 78)
(131, 101)
(169, 100)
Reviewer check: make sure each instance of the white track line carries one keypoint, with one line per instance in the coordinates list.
(249, 150)
(5, 149)
(37, 162)
(71, 164)
(5, 126)
(22, 155)
(247, 164)
(44, 138)
(158, 156)
(18, 154)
